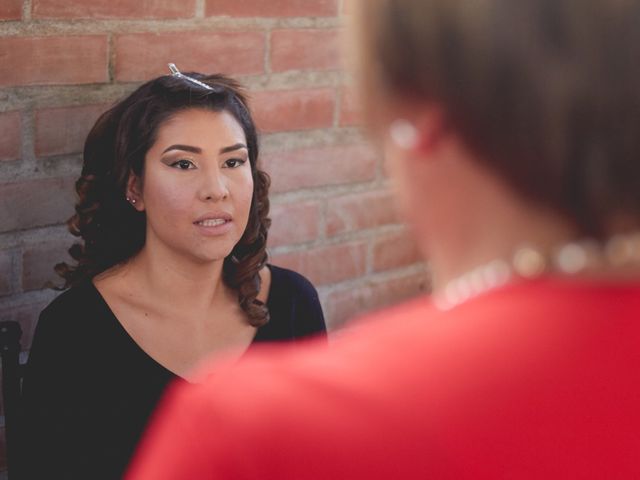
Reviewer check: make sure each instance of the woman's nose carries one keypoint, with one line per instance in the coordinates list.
(214, 186)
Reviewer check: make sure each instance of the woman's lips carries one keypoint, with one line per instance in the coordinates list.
(212, 222)
(214, 226)
(214, 217)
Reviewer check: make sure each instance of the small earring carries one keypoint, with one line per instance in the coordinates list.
(404, 134)
(131, 200)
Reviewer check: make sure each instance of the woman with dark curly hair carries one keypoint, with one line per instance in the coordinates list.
(172, 214)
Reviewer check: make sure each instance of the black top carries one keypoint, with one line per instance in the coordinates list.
(89, 389)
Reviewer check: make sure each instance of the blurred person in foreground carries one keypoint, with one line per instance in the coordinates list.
(511, 130)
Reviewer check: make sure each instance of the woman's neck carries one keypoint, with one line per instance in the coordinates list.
(175, 280)
(489, 222)
(497, 239)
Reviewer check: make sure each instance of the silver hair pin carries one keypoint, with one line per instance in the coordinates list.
(176, 73)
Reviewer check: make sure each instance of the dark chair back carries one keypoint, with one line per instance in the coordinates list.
(10, 333)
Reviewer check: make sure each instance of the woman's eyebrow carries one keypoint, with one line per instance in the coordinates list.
(192, 149)
(231, 148)
(186, 148)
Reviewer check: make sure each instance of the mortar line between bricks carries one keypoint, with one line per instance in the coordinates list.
(267, 53)
(417, 271)
(322, 191)
(368, 265)
(125, 26)
(418, 268)
(111, 58)
(26, 10)
(15, 238)
(322, 219)
(18, 269)
(28, 151)
(354, 237)
(51, 96)
(337, 106)
(199, 10)
(24, 299)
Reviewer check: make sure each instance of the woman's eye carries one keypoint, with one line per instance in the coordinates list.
(234, 163)
(183, 164)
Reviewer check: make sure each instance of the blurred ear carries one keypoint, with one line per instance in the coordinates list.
(134, 192)
(432, 130)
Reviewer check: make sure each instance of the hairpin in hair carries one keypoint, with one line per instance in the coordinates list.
(176, 73)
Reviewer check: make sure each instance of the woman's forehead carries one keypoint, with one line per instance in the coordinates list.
(201, 125)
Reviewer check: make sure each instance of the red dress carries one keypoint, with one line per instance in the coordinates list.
(533, 381)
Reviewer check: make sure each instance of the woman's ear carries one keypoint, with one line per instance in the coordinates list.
(134, 192)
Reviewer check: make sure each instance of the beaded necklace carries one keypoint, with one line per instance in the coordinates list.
(529, 263)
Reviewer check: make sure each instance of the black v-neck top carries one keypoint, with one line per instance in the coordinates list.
(89, 389)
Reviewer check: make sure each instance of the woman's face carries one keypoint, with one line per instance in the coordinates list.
(197, 185)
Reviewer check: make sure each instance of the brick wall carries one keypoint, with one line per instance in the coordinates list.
(64, 61)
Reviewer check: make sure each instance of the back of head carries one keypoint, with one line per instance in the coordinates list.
(544, 92)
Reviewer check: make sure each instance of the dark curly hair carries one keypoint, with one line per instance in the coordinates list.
(111, 231)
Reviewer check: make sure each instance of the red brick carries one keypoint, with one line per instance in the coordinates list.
(315, 167)
(36, 203)
(329, 264)
(10, 138)
(350, 111)
(290, 110)
(64, 130)
(11, 9)
(38, 262)
(360, 211)
(394, 251)
(96, 9)
(54, 60)
(345, 304)
(308, 49)
(294, 223)
(143, 56)
(272, 8)
(7, 259)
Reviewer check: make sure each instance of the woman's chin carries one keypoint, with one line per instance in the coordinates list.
(204, 257)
